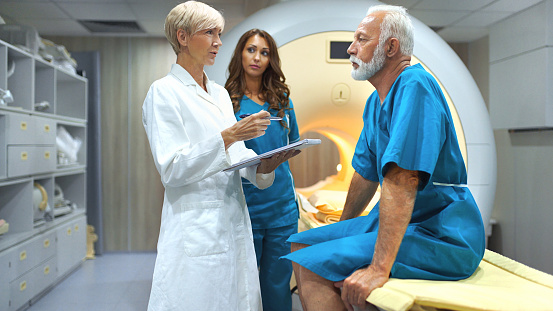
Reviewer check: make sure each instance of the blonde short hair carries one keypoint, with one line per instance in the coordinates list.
(191, 16)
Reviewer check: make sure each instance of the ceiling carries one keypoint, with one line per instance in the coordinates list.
(453, 20)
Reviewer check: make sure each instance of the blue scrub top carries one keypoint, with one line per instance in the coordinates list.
(275, 206)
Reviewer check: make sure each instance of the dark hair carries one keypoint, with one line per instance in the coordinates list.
(273, 89)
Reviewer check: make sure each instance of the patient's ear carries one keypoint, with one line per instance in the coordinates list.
(392, 47)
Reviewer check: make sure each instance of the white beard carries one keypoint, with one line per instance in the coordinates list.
(366, 70)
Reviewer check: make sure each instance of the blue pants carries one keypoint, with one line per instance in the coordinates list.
(274, 274)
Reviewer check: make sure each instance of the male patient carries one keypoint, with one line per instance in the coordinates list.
(427, 224)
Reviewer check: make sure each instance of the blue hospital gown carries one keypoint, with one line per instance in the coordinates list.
(445, 238)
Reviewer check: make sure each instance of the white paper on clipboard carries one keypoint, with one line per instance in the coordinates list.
(304, 143)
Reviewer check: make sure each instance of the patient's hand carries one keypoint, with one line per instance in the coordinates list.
(358, 286)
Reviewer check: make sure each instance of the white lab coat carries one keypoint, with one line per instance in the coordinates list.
(206, 259)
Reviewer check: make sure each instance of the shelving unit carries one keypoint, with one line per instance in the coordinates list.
(37, 251)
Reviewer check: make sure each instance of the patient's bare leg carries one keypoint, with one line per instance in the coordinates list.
(316, 292)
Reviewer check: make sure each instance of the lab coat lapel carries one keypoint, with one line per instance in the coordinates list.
(186, 79)
(210, 95)
(205, 95)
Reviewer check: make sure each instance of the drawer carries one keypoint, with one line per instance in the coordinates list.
(20, 160)
(20, 129)
(45, 131)
(23, 259)
(44, 275)
(22, 290)
(44, 159)
(5, 270)
(46, 245)
(28, 160)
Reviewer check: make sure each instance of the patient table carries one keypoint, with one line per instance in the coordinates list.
(498, 284)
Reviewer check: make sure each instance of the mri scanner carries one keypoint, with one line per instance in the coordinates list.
(328, 101)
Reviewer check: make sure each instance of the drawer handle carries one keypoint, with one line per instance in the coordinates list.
(76, 228)
(47, 155)
(22, 255)
(23, 286)
(24, 156)
(47, 128)
(23, 125)
(68, 231)
(46, 270)
(46, 243)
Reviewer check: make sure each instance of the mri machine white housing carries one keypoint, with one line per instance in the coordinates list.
(291, 20)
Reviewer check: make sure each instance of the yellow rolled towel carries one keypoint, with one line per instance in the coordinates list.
(330, 205)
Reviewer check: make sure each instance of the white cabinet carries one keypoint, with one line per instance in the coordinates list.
(71, 244)
(40, 247)
(4, 285)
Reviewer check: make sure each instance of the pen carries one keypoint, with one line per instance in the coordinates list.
(270, 118)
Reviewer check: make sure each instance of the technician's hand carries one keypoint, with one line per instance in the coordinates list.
(358, 286)
(247, 128)
(270, 164)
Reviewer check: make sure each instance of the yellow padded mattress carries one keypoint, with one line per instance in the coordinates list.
(499, 283)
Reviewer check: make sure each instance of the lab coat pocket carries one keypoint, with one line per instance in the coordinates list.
(204, 228)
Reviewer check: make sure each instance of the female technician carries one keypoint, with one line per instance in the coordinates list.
(256, 83)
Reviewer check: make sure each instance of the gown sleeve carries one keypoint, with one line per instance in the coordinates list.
(364, 159)
(416, 129)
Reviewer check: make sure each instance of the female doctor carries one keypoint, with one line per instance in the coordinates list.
(206, 258)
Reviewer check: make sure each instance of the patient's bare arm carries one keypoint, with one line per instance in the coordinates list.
(360, 193)
(399, 190)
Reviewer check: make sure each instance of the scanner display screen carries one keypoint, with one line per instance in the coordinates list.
(339, 49)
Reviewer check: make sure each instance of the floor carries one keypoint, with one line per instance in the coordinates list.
(110, 282)
(113, 281)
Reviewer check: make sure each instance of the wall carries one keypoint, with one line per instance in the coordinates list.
(523, 206)
(521, 62)
(475, 55)
(521, 44)
(523, 201)
(132, 191)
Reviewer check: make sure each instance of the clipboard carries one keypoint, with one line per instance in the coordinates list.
(301, 144)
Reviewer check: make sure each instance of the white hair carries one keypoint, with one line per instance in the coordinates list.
(396, 24)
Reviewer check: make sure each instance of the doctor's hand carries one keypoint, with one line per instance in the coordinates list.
(358, 286)
(270, 164)
(247, 128)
